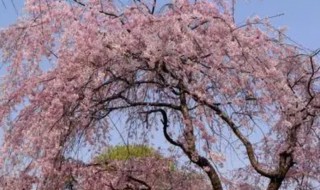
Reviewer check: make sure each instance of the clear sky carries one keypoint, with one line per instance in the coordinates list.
(9, 10)
(301, 17)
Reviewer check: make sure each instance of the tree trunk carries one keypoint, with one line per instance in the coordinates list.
(189, 148)
(275, 184)
(210, 171)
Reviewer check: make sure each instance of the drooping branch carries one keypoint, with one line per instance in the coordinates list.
(285, 158)
(249, 148)
(153, 6)
(165, 126)
(189, 146)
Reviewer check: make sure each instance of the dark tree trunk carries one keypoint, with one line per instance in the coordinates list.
(275, 184)
(210, 171)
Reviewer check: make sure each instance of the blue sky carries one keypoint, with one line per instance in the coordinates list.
(8, 13)
(300, 17)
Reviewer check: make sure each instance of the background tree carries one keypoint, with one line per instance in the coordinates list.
(189, 70)
(141, 167)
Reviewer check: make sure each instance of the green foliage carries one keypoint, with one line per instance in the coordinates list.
(122, 152)
(172, 166)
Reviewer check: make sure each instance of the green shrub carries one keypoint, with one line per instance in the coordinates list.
(123, 152)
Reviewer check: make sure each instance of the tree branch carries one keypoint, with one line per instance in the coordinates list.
(191, 152)
(165, 126)
(139, 181)
(155, 104)
(103, 12)
(249, 148)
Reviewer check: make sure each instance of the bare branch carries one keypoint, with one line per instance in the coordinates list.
(140, 181)
(103, 12)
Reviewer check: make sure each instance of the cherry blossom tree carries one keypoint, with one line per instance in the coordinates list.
(214, 89)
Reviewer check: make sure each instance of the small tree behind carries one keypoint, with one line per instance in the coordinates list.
(136, 167)
(122, 153)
